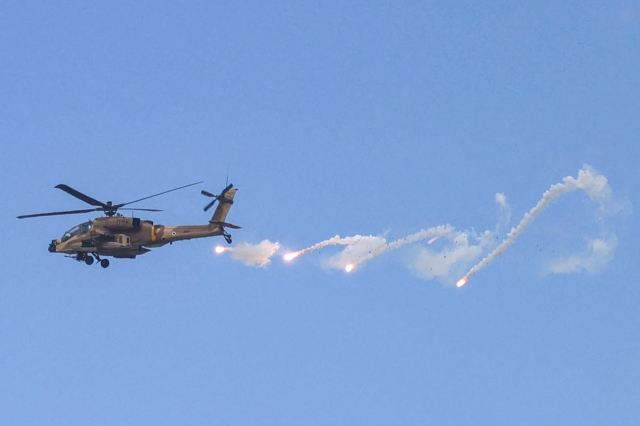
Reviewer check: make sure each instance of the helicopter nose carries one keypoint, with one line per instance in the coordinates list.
(52, 246)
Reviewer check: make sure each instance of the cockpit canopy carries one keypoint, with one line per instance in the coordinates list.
(80, 229)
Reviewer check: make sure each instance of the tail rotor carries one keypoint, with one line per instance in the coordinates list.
(214, 196)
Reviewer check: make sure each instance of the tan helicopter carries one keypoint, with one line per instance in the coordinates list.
(127, 237)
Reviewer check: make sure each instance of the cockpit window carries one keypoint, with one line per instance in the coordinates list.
(80, 229)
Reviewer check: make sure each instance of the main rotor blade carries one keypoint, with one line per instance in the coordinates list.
(79, 195)
(59, 213)
(155, 195)
(142, 210)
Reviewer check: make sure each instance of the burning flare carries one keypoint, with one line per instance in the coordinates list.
(290, 256)
(462, 281)
(220, 249)
(349, 267)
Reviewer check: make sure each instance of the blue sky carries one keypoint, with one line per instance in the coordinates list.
(377, 119)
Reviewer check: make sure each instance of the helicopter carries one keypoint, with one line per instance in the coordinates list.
(124, 237)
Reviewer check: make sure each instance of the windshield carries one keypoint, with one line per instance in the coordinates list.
(80, 229)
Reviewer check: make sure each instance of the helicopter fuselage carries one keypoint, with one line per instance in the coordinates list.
(126, 237)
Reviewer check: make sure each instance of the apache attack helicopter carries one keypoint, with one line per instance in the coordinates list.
(127, 237)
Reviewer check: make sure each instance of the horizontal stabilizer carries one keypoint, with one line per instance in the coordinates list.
(225, 224)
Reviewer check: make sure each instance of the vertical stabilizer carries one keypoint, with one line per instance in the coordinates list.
(225, 200)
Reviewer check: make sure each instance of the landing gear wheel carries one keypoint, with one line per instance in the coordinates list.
(104, 263)
(228, 238)
(88, 260)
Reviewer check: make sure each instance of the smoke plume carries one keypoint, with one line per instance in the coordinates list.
(599, 251)
(456, 251)
(594, 184)
(252, 254)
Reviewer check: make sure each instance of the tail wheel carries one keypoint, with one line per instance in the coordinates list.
(104, 263)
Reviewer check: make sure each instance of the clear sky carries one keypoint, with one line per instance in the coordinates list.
(377, 119)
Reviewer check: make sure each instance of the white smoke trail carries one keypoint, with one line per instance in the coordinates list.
(593, 183)
(252, 254)
(337, 240)
(461, 249)
(334, 241)
(429, 264)
(361, 249)
(383, 247)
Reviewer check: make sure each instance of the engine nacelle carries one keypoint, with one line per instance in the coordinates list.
(120, 223)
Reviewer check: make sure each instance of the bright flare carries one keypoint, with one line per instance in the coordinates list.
(290, 256)
(349, 267)
(220, 249)
(433, 240)
(462, 282)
